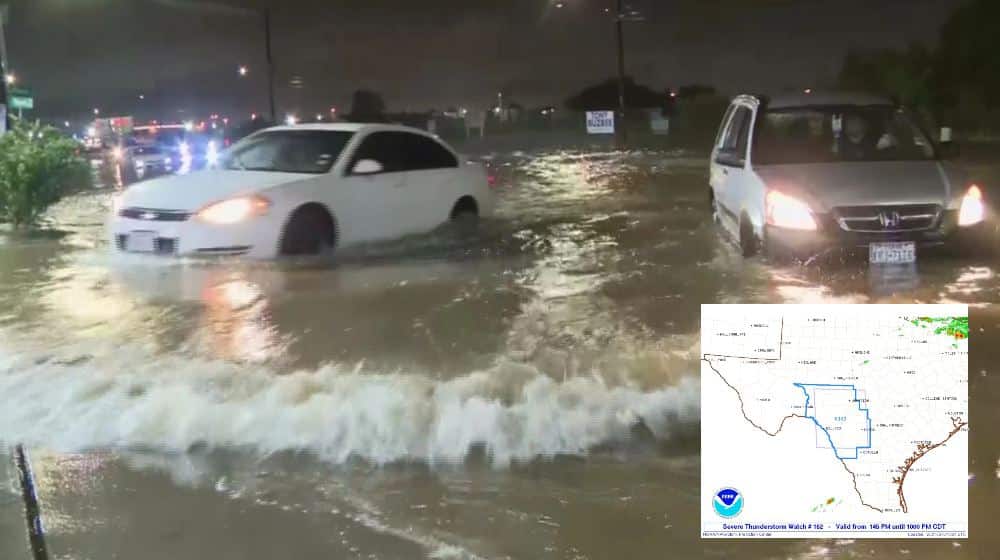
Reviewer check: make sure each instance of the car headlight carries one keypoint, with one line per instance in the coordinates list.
(211, 154)
(234, 210)
(973, 210)
(788, 212)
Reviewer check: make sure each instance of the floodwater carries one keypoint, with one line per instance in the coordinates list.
(531, 391)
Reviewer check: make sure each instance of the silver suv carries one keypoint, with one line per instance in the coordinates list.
(801, 173)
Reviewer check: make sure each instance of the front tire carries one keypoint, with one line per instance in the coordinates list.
(750, 245)
(309, 231)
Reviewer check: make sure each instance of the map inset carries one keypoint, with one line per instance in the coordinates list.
(835, 420)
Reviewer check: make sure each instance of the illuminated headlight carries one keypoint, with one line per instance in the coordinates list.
(234, 210)
(211, 154)
(973, 210)
(785, 211)
(185, 151)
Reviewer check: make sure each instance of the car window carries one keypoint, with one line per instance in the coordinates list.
(721, 135)
(839, 133)
(736, 137)
(289, 151)
(383, 147)
(424, 153)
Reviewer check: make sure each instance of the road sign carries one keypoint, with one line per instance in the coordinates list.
(17, 102)
(600, 122)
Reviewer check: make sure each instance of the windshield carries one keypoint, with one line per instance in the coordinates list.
(841, 133)
(288, 151)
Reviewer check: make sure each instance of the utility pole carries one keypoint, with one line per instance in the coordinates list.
(32, 511)
(620, 127)
(4, 96)
(270, 64)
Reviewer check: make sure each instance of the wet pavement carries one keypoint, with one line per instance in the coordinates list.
(530, 391)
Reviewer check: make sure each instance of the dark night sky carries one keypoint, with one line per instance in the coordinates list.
(79, 54)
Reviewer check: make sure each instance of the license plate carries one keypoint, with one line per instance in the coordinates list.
(892, 253)
(141, 242)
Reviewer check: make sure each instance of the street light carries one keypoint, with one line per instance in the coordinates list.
(242, 71)
(96, 111)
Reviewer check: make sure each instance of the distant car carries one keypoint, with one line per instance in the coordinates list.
(798, 174)
(308, 189)
(145, 161)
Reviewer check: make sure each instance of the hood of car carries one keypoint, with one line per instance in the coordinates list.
(828, 185)
(193, 191)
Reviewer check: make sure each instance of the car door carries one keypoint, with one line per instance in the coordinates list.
(378, 205)
(729, 175)
(431, 180)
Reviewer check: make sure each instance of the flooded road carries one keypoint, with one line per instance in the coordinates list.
(530, 391)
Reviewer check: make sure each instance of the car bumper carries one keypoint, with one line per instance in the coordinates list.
(947, 235)
(256, 238)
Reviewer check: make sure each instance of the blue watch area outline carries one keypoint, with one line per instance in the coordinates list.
(826, 430)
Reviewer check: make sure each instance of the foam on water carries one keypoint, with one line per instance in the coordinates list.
(125, 397)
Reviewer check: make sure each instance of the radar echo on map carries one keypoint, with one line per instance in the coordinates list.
(834, 421)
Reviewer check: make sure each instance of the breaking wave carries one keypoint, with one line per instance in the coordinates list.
(128, 398)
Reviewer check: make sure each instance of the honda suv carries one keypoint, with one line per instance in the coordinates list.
(799, 174)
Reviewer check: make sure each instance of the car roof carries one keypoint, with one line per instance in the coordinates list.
(350, 127)
(802, 99)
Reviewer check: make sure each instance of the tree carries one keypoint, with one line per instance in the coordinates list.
(906, 75)
(367, 106)
(38, 166)
(604, 96)
(968, 53)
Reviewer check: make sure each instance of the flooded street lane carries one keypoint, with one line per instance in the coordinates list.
(529, 391)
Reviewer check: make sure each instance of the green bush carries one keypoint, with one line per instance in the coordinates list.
(38, 166)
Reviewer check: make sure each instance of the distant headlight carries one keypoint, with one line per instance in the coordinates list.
(785, 211)
(973, 210)
(212, 154)
(234, 210)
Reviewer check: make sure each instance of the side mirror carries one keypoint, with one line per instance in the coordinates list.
(367, 167)
(729, 159)
(949, 150)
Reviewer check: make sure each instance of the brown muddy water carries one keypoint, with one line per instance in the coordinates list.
(531, 391)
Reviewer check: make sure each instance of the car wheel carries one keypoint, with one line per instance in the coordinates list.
(749, 244)
(465, 213)
(310, 231)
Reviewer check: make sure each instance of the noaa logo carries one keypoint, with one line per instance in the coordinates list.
(728, 502)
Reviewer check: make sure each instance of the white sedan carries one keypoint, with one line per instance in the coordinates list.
(302, 190)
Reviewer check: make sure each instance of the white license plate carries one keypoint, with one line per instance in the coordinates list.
(892, 253)
(141, 242)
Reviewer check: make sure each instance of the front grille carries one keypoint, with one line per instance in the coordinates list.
(154, 215)
(889, 218)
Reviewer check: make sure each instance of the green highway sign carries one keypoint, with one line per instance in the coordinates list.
(22, 102)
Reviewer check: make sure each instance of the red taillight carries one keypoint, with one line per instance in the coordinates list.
(491, 179)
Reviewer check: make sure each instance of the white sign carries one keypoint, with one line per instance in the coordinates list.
(600, 122)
